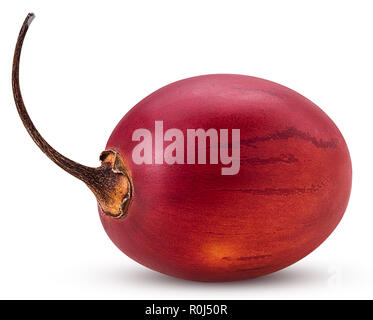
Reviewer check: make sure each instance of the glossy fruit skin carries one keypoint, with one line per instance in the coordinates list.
(191, 222)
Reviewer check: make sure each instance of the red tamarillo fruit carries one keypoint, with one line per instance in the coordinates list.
(215, 178)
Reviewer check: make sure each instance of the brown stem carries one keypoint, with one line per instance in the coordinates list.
(110, 182)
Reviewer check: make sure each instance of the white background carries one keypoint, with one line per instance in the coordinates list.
(86, 63)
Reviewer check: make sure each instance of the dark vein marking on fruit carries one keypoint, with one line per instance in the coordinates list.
(225, 234)
(110, 182)
(277, 191)
(251, 269)
(258, 257)
(288, 133)
(285, 158)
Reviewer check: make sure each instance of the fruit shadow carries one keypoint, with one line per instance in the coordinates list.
(294, 276)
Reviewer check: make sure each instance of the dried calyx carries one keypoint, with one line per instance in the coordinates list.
(110, 182)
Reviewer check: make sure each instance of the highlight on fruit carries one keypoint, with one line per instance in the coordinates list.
(219, 177)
